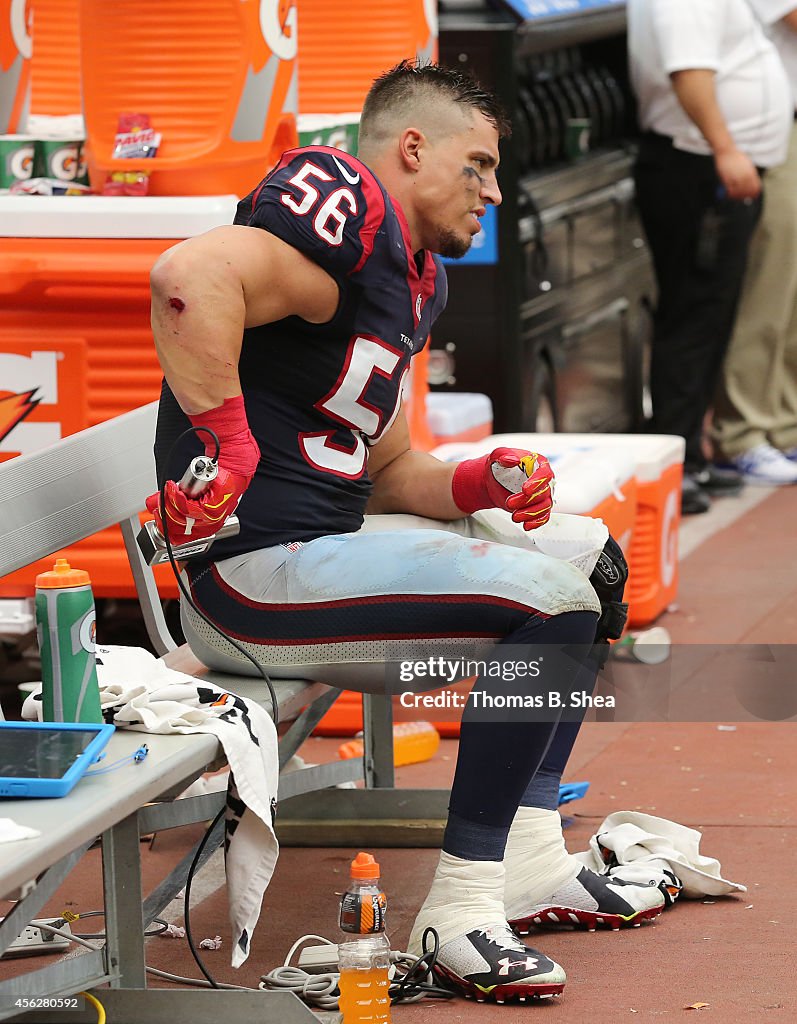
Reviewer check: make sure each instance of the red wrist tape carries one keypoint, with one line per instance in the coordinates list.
(469, 487)
(239, 452)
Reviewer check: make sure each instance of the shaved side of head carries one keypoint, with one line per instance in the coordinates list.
(438, 101)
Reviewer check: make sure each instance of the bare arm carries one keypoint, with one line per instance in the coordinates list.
(207, 289)
(695, 91)
(407, 481)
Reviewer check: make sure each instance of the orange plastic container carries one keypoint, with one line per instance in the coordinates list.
(653, 581)
(457, 416)
(413, 742)
(414, 405)
(216, 77)
(344, 46)
(55, 66)
(15, 53)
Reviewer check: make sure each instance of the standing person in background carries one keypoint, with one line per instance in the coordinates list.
(715, 109)
(290, 333)
(755, 414)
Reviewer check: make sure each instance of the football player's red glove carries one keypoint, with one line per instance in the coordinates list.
(196, 518)
(510, 478)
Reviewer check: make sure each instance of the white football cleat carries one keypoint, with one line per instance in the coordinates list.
(593, 901)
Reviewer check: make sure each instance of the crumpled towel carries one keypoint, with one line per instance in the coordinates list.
(137, 691)
(10, 831)
(646, 846)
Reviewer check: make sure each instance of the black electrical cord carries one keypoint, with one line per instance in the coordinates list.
(414, 985)
(184, 590)
(187, 908)
(242, 650)
(164, 926)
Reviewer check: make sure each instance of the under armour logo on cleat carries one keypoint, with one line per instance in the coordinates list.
(529, 963)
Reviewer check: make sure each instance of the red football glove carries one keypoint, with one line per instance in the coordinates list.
(196, 518)
(519, 481)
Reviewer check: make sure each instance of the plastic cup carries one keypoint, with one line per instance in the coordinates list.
(651, 646)
(17, 154)
(59, 159)
(577, 137)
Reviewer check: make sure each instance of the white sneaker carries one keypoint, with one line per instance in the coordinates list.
(766, 465)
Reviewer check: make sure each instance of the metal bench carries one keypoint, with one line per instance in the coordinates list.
(52, 499)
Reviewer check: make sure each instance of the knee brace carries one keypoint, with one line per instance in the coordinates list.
(608, 581)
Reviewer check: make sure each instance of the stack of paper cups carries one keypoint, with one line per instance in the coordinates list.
(17, 157)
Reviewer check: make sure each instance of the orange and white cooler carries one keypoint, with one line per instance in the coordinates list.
(458, 416)
(75, 339)
(658, 468)
(602, 484)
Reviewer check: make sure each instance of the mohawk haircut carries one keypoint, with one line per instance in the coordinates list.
(410, 82)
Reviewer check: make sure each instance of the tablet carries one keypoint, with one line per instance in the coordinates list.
(46, 759)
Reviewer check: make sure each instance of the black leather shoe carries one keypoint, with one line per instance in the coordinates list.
(693, 498)
(716, 481)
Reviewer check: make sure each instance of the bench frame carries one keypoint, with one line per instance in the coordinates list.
(52, 499)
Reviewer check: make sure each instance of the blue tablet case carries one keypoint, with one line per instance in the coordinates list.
(46, 759)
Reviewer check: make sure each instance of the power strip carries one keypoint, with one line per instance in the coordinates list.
(319, 959)
(35, 940)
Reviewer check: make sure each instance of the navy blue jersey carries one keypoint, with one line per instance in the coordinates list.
(317, 396)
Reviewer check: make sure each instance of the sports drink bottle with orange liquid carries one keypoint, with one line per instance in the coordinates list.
(364, 959)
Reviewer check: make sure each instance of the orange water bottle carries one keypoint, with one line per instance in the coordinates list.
(364, 958)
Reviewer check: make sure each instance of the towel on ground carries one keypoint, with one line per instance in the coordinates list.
(646, 846)
(137, 691)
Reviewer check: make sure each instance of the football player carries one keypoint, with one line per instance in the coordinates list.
(290, 334)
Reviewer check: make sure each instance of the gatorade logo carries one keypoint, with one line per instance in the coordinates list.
(64, 164)
(20, 163)
(430, 13)
(19, 28)
(29, 384)
(88, 632)
(278, 25)
(14, 409)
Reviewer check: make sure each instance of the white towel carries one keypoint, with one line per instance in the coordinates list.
(10, 831)
(644, 844)
(137, 691)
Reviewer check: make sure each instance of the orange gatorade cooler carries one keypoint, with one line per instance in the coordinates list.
(344, 46)
(75, 339)
(55, 67)
(15, 53)
(217, 79)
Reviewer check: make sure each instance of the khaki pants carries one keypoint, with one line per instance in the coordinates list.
(757, 397)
